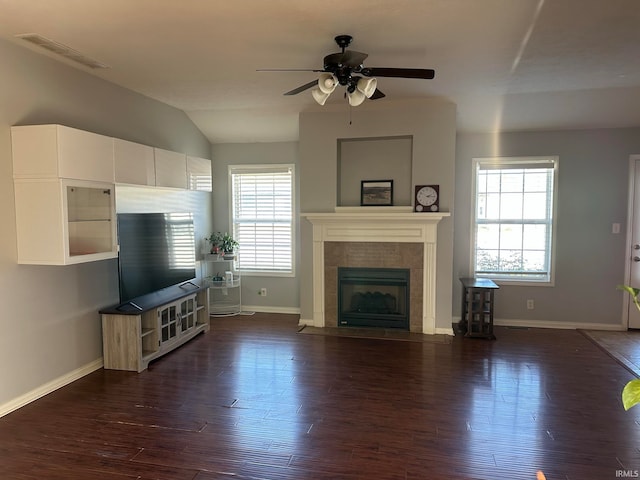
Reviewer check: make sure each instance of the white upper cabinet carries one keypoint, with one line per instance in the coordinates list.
(64, 195)
(199, 174)
(134, 163)
(171, 169)
(56, 151)
(62, 222)
(64, 189)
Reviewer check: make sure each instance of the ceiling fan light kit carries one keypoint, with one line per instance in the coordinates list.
(319, 96)
(356, 98)
(367, 86)
(327, 83)
(346, 68)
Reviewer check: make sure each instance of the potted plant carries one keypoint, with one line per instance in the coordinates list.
(228, 245)
(215, 239)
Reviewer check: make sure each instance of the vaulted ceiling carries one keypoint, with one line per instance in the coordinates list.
(506, 64)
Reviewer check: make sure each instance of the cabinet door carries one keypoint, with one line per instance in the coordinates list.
(89, 219)
(41, 151)
(134, 163)
(188, 308)
(199, 174)
(169, 322)
(39, 222)
(85, 155)
(171, 169)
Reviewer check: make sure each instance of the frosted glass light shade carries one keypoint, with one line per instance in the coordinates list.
(319, 96)
(327, 83)
(367, 86)
(356, 98)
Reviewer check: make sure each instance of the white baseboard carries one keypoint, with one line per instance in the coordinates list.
(507, 322)
(51, 386)
(502, 322)
(444, 331)
(306, 322)
(263, 309)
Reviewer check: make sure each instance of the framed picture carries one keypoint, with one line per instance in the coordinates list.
(376, 193)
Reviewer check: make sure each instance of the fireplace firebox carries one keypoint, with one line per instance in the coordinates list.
(373, 297)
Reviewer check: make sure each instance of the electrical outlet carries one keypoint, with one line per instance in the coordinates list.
(530, 305)
(263, 292)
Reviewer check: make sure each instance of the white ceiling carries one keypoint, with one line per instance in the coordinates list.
(506, 64)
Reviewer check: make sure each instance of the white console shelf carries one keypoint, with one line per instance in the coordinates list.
(135, 333)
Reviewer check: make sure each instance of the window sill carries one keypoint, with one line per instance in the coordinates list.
(249, 273)
(519, 282)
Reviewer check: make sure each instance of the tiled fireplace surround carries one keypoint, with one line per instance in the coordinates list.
(380, 238)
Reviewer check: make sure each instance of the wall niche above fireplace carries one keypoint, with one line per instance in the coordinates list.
(382, 158)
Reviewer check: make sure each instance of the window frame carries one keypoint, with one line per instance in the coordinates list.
(256, 169)
(513, 162)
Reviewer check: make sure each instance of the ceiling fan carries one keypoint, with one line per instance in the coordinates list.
(346, 68)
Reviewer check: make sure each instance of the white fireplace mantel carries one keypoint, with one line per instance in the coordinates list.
(376, 224)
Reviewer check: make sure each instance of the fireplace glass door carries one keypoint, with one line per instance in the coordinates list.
(373, 297)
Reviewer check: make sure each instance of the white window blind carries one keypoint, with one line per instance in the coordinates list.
(262, 216)
(200, 182)
(514, 212)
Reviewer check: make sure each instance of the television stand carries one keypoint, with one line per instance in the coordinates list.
(159, 324)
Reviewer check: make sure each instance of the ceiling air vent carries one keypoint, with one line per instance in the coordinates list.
(60, 49)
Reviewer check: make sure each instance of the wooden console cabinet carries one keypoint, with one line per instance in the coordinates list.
(134, 334)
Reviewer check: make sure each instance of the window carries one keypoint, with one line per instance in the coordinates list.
(262, 217)
(513, 222)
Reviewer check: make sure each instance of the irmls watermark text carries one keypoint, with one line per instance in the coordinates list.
(627, 474)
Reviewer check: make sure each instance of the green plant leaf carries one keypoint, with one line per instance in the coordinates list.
(631, 394)
(630, 290)
(633, 292)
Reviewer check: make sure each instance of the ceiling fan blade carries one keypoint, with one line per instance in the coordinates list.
(353, 58)
(287, 70)
(302, 88)
(377, 94)
(348, 58)
(423, 73)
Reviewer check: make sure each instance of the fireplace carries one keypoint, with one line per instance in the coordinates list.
(373, 297)
(368, 237)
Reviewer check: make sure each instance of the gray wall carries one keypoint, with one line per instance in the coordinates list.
(592, 195)
(283, 292)
(50, 324)
(380, 159)
(431, 123)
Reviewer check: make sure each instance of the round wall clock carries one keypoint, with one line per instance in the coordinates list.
(427, 198)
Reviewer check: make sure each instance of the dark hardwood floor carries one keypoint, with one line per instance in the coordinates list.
(254, 400)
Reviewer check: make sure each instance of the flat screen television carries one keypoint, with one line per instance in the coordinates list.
(156, 251)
